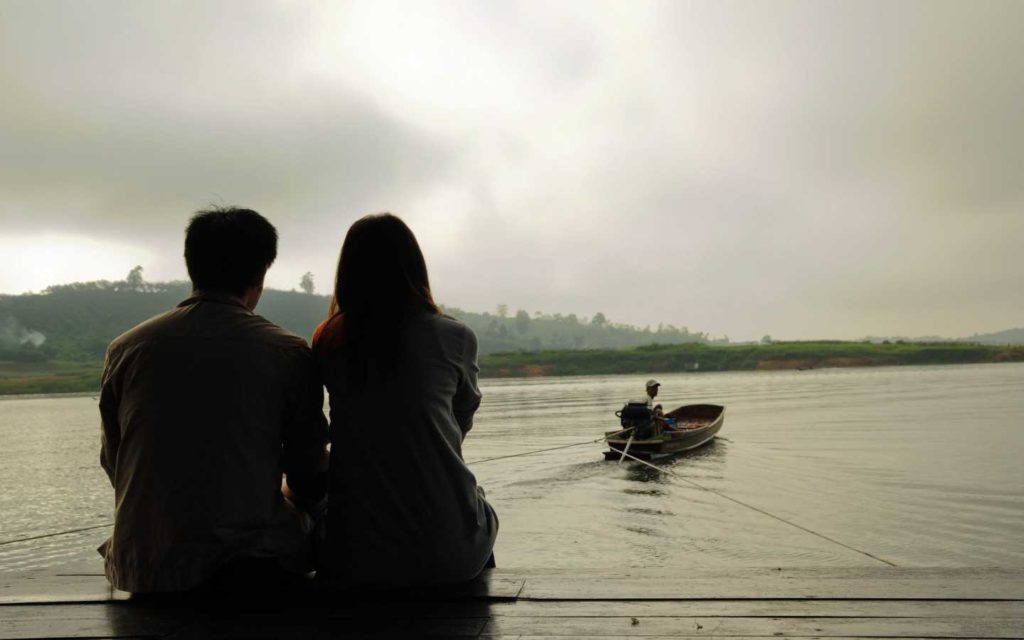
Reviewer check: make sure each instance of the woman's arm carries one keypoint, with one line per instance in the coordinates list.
(467, 395)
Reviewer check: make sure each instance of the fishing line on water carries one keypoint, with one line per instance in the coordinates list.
(762, 511)
(566, 446)
(110, 524)
(53, 535)
(702, 488)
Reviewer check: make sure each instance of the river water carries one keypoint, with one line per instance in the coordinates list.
(918, 466)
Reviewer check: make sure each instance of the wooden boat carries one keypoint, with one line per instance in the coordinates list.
(696, 424)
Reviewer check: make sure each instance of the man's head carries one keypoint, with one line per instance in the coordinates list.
(652, 387)
(228, 250)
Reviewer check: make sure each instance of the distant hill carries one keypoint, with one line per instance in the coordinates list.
(1010, 336)
(75, 322)
(54, 341)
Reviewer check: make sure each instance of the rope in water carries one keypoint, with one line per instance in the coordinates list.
(762, 511)
(110, 524)
(577, 444)
(564, 446)
(59, 533)
(702, 488)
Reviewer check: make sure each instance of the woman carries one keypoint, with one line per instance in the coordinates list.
(403, 508)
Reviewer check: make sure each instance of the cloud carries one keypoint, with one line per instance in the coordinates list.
(799, 169)
(123, 121)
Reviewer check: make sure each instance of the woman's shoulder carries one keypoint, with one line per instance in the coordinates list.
(327, 333)
(451, 325)
(452, 332)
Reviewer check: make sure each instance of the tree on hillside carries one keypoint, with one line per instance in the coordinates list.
(502, 310)
(134, 281)
(599, 320)
(307, 284)
(522, 322)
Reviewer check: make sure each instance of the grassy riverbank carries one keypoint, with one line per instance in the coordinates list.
(774, 356)
(60, 377)
(48, 377)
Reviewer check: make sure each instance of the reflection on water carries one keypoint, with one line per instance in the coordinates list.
(642, 473)
(917, 465)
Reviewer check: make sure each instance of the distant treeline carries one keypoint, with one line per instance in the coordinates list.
(58, 377)
(769, 356)
(75, 322)
(505, 332)
(54, 341)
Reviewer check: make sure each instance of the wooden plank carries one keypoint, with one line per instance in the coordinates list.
(797, 573)
(467, 619)
(760, 608)
(243, 619)
(633, 584)
(307, 624)
(39, 587)
(765, 627)
(845, 584)
(771, 603)
(103, 620)
(490, 585)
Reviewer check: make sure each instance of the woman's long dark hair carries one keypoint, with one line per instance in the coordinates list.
(381, 282)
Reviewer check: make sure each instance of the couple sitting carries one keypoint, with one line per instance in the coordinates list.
(215, 441)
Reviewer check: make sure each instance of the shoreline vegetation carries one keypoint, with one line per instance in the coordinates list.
(18, 378)
(25, 378)
(774, 356)
(54, 341)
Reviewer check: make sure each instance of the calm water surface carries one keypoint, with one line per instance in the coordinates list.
(918, 465)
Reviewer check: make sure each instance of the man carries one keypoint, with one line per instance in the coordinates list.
(652, 393)
(203, 408)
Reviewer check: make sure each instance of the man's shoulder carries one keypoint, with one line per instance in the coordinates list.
(218, 323)
(144, 330)
(276, 335)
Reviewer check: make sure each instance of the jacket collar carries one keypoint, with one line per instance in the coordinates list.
(213, 296)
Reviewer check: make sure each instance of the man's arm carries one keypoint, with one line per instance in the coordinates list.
(110, 436)
(305, 437)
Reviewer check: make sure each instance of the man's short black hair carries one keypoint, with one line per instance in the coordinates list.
(228, 249)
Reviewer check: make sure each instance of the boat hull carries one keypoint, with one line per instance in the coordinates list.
(700, 424)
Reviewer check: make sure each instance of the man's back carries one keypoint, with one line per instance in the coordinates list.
(203, 408)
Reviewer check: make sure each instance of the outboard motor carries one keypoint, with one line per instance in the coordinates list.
(638, 416)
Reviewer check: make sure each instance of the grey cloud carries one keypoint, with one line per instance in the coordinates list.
(122, 121)
(792, 168)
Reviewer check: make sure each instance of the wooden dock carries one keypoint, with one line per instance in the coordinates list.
(627, 603)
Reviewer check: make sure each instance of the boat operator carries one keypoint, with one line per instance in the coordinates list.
(652, 393)
(664, 421)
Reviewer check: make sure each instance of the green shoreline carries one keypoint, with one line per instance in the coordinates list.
(759, 357)
(73, 377)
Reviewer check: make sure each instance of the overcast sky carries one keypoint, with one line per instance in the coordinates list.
(799, 169)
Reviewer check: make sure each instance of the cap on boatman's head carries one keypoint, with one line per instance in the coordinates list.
(653, 383)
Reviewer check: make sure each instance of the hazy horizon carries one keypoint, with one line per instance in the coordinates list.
(797, 169)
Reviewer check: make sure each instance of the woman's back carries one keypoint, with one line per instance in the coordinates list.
(403, 507)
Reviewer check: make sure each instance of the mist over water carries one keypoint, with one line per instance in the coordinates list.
(917, 465)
